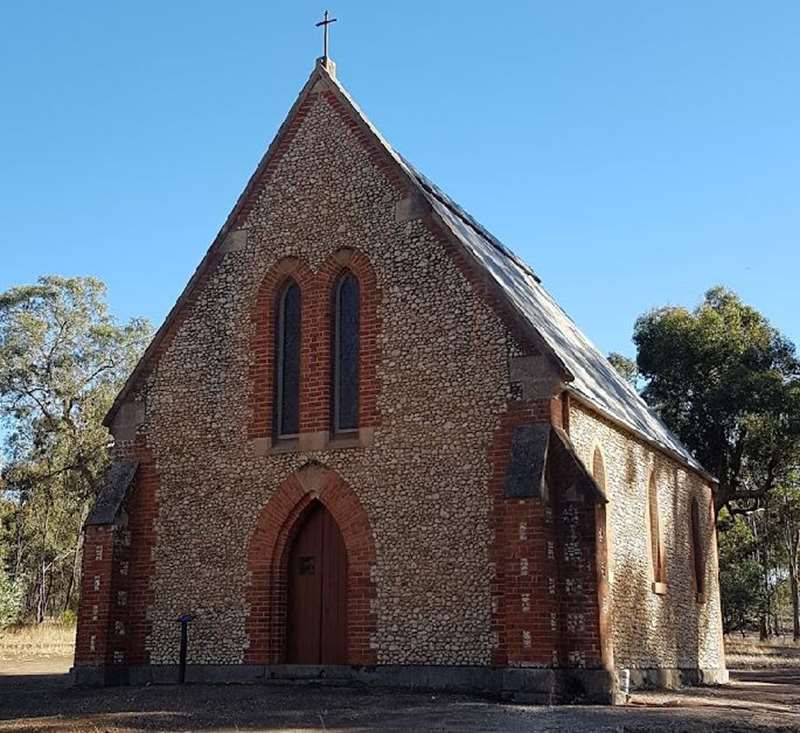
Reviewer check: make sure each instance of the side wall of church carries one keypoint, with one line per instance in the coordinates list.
(675, 628)
(440, 384)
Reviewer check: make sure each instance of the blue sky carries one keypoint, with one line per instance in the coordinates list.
(634, 153)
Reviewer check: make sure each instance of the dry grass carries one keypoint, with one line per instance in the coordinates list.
(57, 640)
(37, 640)
(751, 653)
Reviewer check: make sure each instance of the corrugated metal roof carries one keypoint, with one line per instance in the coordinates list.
(594, 379)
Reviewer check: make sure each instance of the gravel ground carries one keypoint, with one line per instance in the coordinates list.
(31, 701)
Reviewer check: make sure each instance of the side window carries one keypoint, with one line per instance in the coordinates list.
(598, 469)
(599, 475)
(698, 548)
(287, 361)
(656, 543)
(346, 303)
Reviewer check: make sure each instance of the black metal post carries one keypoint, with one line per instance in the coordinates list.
(184, 621)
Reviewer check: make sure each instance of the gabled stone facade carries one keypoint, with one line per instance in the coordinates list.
(450, 582)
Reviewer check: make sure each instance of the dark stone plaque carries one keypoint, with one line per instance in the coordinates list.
(524, 476)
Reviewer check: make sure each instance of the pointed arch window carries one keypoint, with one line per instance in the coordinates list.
(599, 475)
(287, 362)
(598, 469)
(698, 550)
(346, 305)
(657, 555)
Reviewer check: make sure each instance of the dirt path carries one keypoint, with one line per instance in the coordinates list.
(34, 667)
(754, 701)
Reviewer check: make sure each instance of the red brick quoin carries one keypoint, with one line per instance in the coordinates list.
(118, 567)
(545, 603)
(95, 609)
(268, 557)
(316, 303)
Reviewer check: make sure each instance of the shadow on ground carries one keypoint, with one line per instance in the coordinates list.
(754, 701)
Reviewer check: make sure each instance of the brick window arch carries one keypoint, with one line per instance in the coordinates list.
(599, 475)
(263, 342)
(698, 548)
(337, 267)
(316, 399)
(657, 553)
(287, 330)
(604, 559)
(599, 469)
(345, 353)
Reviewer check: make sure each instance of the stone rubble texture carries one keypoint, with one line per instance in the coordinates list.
(650, 630)
(460, 576)
(443, 378)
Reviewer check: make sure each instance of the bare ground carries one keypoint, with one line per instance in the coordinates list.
(32, 700)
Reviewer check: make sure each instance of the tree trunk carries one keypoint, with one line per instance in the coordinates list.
(795, 586)
(76, 568)
(41, 606)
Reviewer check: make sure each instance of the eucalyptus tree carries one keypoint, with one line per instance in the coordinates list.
(63, 357)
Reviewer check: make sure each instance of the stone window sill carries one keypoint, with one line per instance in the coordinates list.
(284, 445)
(314, 442)
(346, 440)
(660, 589)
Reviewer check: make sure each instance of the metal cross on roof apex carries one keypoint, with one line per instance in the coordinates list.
(325, 22)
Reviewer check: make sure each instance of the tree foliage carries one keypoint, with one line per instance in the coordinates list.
(728, 384)
(625, 367)
(63, 358)
(740, 573)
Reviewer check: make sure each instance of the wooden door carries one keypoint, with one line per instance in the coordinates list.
(317, 588)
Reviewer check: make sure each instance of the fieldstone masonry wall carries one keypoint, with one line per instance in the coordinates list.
(673, 630)
(443, 380)
(448, 571)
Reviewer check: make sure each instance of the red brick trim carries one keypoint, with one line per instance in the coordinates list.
(244, 204)
(701, 532)
(522, 565)
(265, 623)
(487, 289)
(475, 274)
(141, 507)
(656, 546)
(315, 358)
(262, 341)
(545, 609)
(118, 568)
(95, 607)
(377, 152)
(369, 327)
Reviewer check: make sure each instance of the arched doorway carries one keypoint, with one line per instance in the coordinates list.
(317, 591)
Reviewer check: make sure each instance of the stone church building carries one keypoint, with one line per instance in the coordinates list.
(367, 444)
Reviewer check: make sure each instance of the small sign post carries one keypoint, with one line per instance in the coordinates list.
(184, 621)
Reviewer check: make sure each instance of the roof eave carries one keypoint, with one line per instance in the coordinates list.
(318, 72)
(583, 399)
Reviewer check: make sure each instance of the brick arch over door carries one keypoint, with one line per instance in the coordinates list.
(266, 594)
